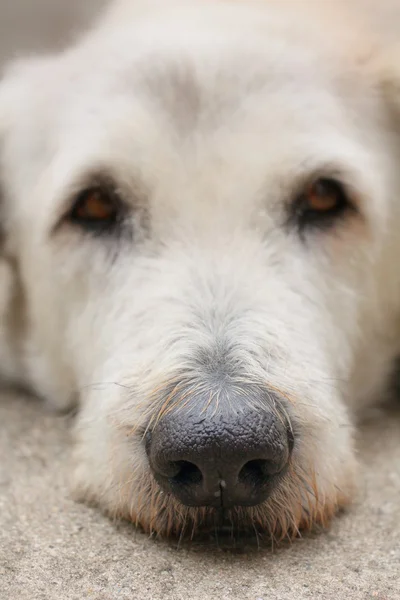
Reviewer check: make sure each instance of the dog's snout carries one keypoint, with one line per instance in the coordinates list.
(220, 460)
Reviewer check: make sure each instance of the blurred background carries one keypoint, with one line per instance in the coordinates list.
(35, 25)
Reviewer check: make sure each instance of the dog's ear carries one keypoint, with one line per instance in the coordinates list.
(18, 84)
(4, 117)
(2, 193)
(2, 231)
(386, 74)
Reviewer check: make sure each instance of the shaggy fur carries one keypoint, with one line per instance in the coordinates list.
(207, 116)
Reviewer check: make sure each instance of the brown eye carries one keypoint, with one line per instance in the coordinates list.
(94, 205)
(96, 210)
(321, 203)
(323, 196)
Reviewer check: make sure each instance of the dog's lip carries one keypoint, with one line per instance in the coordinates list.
(223, 528)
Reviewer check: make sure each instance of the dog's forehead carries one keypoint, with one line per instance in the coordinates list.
(208, 77)
(203, 88)
(211, 54)
(191, 92)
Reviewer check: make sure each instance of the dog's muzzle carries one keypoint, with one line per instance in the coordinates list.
(232, 456)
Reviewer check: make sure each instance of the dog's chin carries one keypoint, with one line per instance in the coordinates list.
(290, 511)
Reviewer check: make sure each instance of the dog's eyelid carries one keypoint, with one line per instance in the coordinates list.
(330, 172)
(300, 213)
(101, 183)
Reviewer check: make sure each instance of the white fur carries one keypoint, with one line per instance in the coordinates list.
(278, 93)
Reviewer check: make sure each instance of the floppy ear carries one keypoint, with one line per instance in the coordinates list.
(4, 119)
(19, 83)
(386, 73)
(2, 232)
(2, 193)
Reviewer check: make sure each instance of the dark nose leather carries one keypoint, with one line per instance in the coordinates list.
(220, 460)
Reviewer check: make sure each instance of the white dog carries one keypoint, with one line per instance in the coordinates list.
(200, 245)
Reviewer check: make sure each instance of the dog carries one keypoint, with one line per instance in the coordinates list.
(199, 249)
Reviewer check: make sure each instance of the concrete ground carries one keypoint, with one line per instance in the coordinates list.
(52, 548)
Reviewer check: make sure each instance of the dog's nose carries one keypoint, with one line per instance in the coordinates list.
(220, 460)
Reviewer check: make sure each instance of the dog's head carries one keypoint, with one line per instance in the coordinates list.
(201, 204)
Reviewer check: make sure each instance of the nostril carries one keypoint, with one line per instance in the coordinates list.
(187, 473)
(255, 472)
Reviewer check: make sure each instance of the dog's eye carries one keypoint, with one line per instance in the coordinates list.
(323, 201)
(96, 209)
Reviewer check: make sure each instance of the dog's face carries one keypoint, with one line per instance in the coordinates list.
(198, 206)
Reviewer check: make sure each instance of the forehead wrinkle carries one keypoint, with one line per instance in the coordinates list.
(192, 96)
(177, 90)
